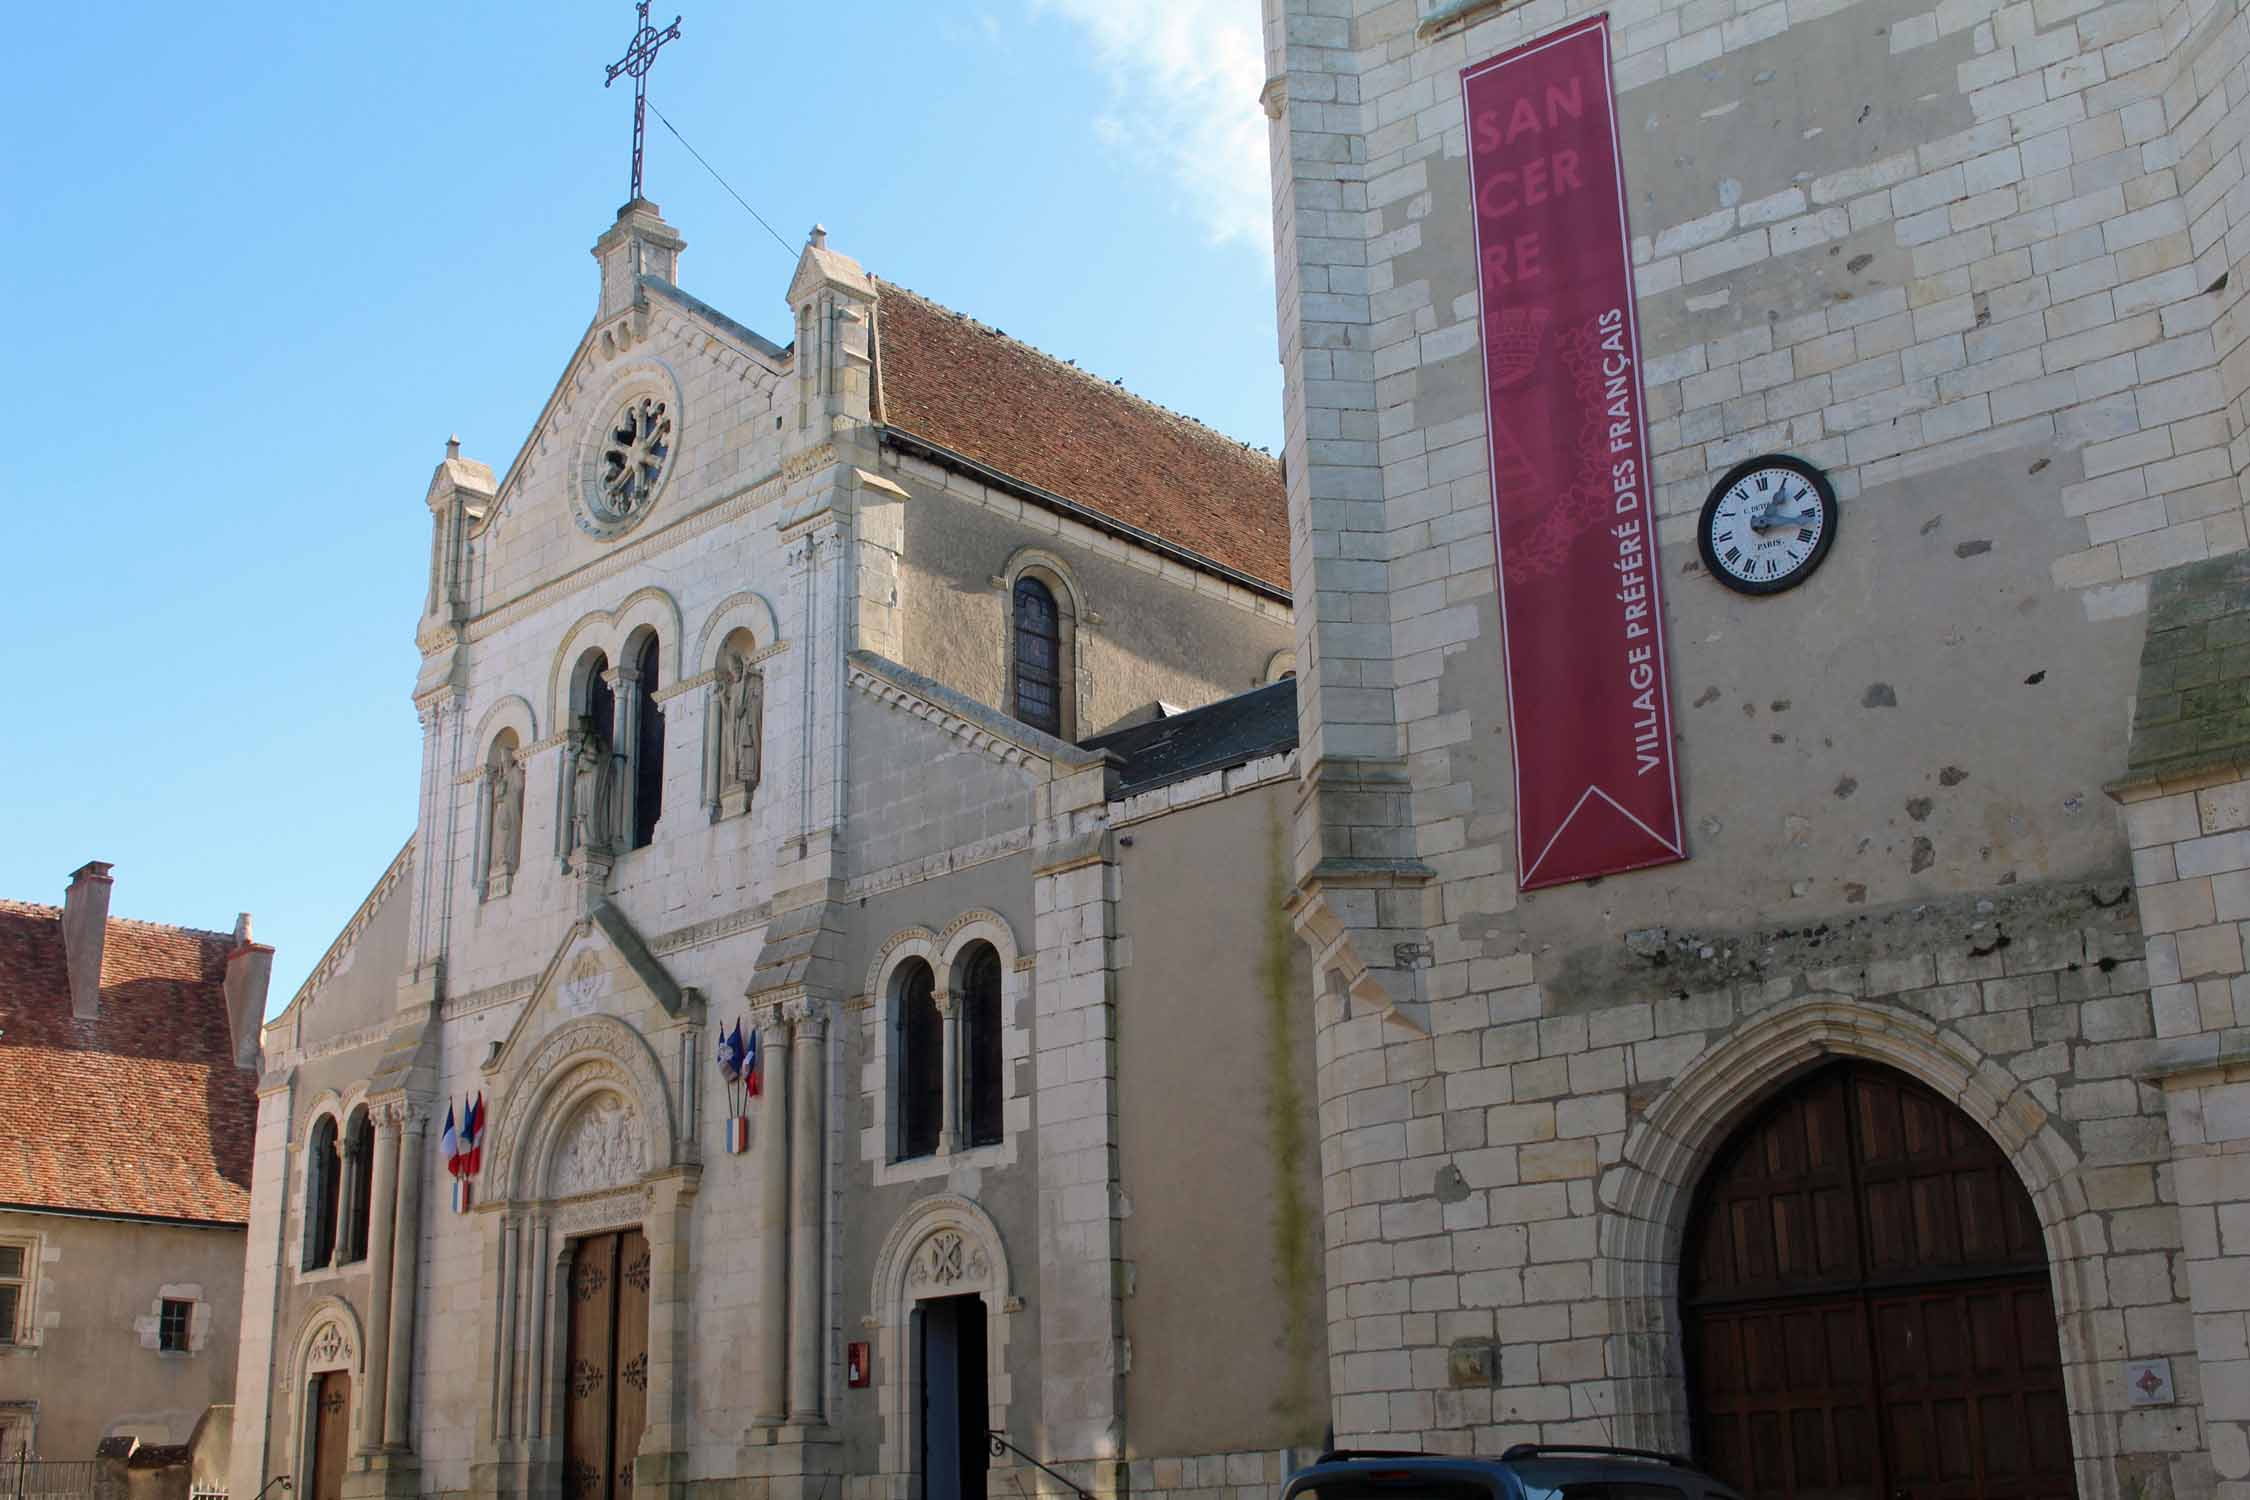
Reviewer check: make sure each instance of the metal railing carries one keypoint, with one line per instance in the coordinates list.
(1001, 1448)
(28, 1478)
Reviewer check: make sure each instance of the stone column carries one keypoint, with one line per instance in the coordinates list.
(808, 1109)
(405, 1254)
(504, 1387)
(1081, 1322)
(769, 1399)
(381, 1227)
(949, 1100)
(541, 1262)
(624, 746)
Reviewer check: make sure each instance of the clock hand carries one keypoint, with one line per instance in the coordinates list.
(1767, 519)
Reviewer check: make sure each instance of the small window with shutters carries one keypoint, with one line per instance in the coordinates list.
(16, 1263)
(174, 1322)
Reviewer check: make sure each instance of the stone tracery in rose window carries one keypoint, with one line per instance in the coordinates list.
(633, 455)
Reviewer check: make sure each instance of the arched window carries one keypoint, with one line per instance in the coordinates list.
(601, 698)
(322, 1171)
(920, 1043)
(1037, 690)
(358, 1194)
(648, 749)
(977, 993)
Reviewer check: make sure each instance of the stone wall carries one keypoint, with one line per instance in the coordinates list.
(1975, 262)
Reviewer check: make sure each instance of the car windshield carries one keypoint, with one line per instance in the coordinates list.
(1602, 1489)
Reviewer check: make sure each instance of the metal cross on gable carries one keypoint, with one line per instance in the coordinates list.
(638, 59)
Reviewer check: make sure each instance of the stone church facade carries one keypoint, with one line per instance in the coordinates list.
(1895, 1141)
(869, 693)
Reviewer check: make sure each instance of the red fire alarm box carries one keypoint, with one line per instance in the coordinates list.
(855, 1366)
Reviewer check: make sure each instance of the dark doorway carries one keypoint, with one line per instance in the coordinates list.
(1867, 1305)
(955, 1403)
(332, 1433)
(605, 1369)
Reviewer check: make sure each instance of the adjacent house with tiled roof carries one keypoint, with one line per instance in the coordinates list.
(128, 1077)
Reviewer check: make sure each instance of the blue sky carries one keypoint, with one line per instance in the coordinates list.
(268, 257)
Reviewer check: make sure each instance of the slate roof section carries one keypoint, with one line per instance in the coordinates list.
(956, 384)
(140, 1111)
(1230, 732)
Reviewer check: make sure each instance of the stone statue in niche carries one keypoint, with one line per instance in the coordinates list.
(504, 786)
(741, 716)
(604, 1149)
(591, 784)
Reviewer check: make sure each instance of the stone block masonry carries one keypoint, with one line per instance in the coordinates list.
(1977, 262)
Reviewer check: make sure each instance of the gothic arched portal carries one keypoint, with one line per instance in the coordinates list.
(1866, 1303)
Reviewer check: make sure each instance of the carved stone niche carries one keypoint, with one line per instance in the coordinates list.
(604, 1147)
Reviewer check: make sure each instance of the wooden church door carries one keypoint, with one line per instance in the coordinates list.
(956, 1402)
(605, 1397)
(1867, 1306)
(332, 1428)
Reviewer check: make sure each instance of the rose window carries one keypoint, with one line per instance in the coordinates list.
(633, 455)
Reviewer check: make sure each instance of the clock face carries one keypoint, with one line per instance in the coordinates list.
(1768, 524)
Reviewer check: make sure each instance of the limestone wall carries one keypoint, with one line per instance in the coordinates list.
(1196, 1142)
(1140, 628)
(90, 1366)
(1974, 262)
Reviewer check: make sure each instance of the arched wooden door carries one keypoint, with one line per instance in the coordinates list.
(1866, 1304)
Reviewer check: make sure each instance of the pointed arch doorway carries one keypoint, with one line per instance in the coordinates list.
(1866, 1304)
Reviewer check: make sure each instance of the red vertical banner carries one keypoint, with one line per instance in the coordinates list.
(1589, 708)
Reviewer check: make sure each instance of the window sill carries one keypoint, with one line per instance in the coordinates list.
(921, 1168)
(333, 1272)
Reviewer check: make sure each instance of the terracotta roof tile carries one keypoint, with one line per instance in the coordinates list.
(139, 1111)
(955, 383)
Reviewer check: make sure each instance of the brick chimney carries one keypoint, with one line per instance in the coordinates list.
(85, 926)
(249, 972)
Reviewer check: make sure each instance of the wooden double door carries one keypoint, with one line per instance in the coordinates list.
(1867, 1305)
(605, 1370)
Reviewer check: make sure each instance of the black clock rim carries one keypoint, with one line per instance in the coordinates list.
(1830, 515)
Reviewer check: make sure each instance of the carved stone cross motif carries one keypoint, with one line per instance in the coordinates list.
(947, 1258)
(329, 1345)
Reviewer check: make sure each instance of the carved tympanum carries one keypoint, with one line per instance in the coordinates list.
(603, 1147)
(946, 1258)
(329, 1345)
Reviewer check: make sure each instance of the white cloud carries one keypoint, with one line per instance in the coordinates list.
(1184, 79)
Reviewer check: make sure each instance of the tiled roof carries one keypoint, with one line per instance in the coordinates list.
(1230, 732)
(957, 384)
(140, 1111)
